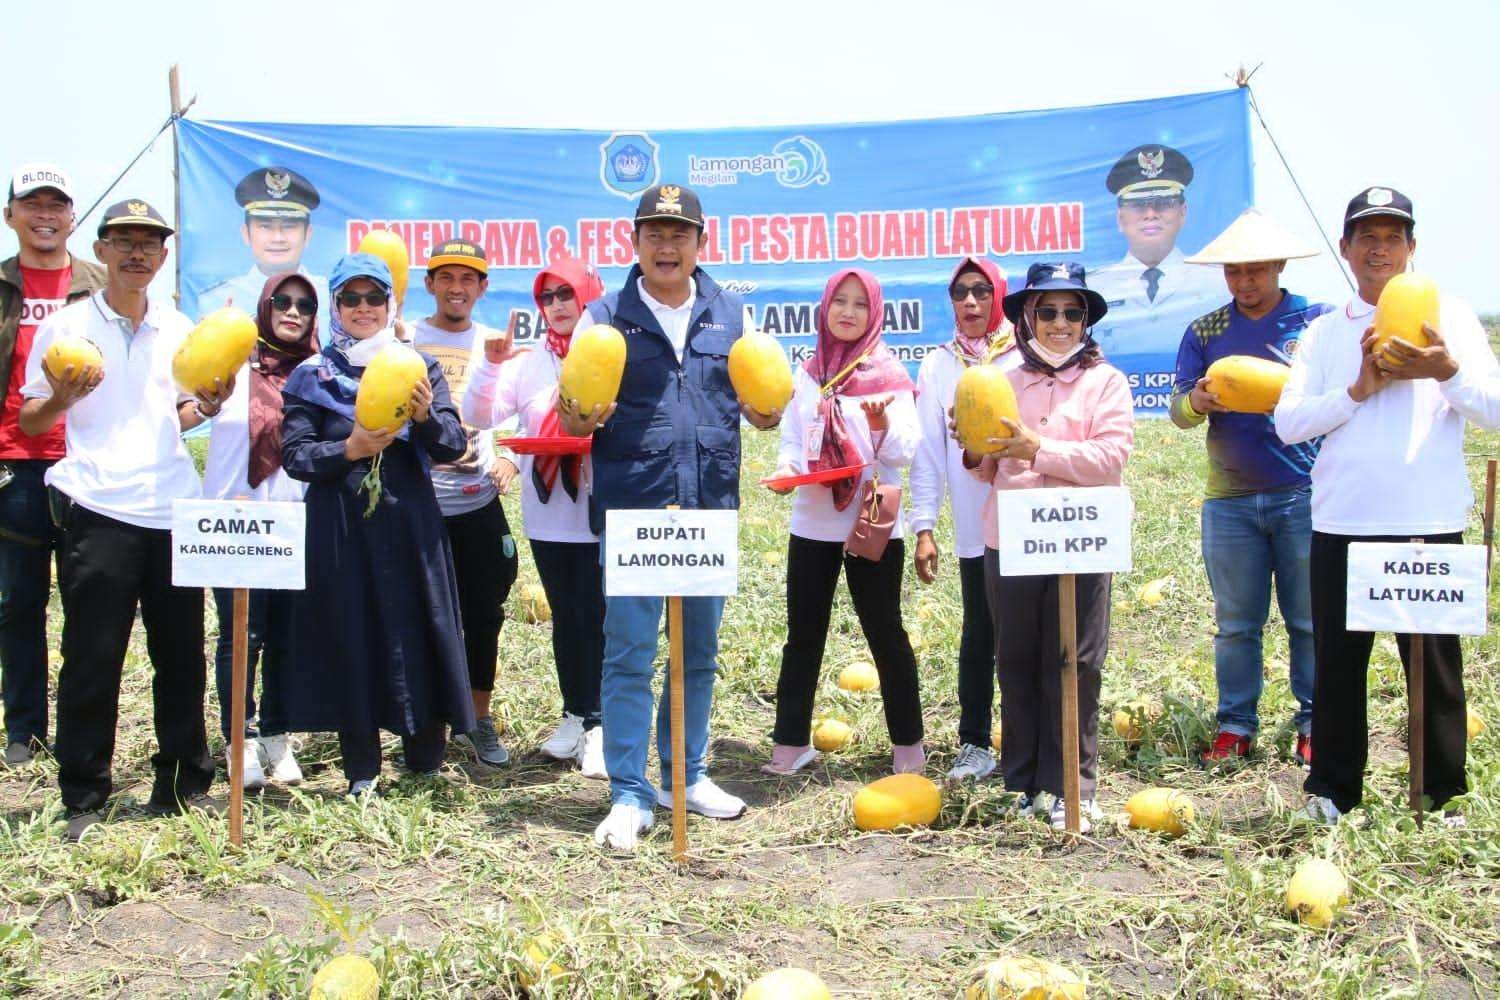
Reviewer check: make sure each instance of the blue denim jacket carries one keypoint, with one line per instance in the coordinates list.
(675, 436)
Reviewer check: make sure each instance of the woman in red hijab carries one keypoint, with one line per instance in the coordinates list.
(852, 405)
(555, 505)
(244, 462)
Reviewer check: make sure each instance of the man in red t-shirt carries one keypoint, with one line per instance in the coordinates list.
(42, 278)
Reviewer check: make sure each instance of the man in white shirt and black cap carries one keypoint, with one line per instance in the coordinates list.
(1390, 469)
(111, 495)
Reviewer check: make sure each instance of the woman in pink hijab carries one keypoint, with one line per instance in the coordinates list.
(853, 404)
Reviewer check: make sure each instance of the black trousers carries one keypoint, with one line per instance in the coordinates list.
(1340, 723)
(812, 576)
(485, 564)
(424, 751)
(108, 568)
(28, 543)
(1028, 648)
(573, 579)
(976, 656)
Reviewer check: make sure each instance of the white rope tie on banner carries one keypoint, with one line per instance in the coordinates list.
(1242, 79)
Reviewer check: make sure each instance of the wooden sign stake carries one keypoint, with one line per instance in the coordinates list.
(675, 685)
(238, 669)
(1067, 612)
(1416, 749)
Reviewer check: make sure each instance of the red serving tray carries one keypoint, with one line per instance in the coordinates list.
(822, 476)
(565, 445)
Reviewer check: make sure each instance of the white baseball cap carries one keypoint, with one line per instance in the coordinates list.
(35, 176)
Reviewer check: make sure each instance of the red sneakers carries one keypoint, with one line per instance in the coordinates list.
(1227, 746)
(1303, 753)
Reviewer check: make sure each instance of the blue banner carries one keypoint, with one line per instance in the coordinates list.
(1127, 189)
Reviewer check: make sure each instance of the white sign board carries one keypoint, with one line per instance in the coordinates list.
(1416, 589)
(257, 545)
(671, 553)
(1083, 529)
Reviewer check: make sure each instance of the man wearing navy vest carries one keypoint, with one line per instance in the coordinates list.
(672, 437)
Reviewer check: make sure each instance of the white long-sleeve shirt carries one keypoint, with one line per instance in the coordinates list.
(938, 466)
(226, 470)
(1392, 464)
(813, 513)
(525, 387)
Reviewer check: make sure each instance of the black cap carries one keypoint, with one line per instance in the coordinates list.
(1152, 171)
(1063, 277)
(460, 252)
(1379, 201)
(276, 193)
(133, 212)
(669, 201)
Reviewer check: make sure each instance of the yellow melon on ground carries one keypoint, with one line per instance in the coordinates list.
(787, 984)
(1152, 593)
(79, 352)
(1130, 719)
(1164, 810)
(860, 675)
(759, 372)
(1475, 724)
(534, 606)
(539, 963)
(384, 398)
(831, 734)
(897, 800)
(347, 977)
(1024, 978)
(214, 349)
(1406, 302)
(1246, 384)
(1316, 892)
(982, 397)
(592, 370)
(995, 736)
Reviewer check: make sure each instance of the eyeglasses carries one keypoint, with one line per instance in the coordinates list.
(305, 306)
(150, 246)
(1144, 206)
(352, 299)
(1048, 314)
(562, 294)
(980, 290)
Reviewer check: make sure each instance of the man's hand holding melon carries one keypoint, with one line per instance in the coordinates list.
(1402, 360)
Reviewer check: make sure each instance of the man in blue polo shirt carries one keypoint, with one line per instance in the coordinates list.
(672, 437)
(1257, 516)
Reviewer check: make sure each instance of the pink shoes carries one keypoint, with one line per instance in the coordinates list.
(910, 758)
(789, 760)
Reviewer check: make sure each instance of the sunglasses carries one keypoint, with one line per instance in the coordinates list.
(980, 290)
(305, 306)
(563, 294)
(1048, 314)
(352, 299)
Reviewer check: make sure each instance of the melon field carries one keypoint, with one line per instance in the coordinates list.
(445, 883)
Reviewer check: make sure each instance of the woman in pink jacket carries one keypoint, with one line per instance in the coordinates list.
(1075, 430)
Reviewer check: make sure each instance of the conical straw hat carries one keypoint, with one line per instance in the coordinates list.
(1252, 237)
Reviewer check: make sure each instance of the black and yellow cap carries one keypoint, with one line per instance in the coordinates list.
(669, 201)
(460, 252)
(1152, 171)
(276, 193)
(133, 212)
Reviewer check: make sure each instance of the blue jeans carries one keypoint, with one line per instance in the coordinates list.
(631, 628)
(28, 541)
(1247, 542)
(267, 637)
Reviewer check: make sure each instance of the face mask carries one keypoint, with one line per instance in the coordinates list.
(1055, 360)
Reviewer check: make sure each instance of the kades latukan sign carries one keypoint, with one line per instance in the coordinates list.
(1416, 588)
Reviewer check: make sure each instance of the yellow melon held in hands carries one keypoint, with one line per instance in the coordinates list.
(1407, 301)
(215, 349)
(79, 352)
(592, 370)
(1245, 384)
(384, 398)
(982, 397)
(760, 374)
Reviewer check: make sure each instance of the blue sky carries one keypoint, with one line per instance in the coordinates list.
(1357, 94)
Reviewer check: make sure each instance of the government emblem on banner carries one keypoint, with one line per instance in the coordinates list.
(629, 163)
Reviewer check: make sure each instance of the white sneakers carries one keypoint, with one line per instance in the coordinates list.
(281, 764)
(1088, 814)
(973, 763)
(255, 775)
(591, 757)
(623, 827)
(706, 799)
(1320, 809)
(567, 741)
